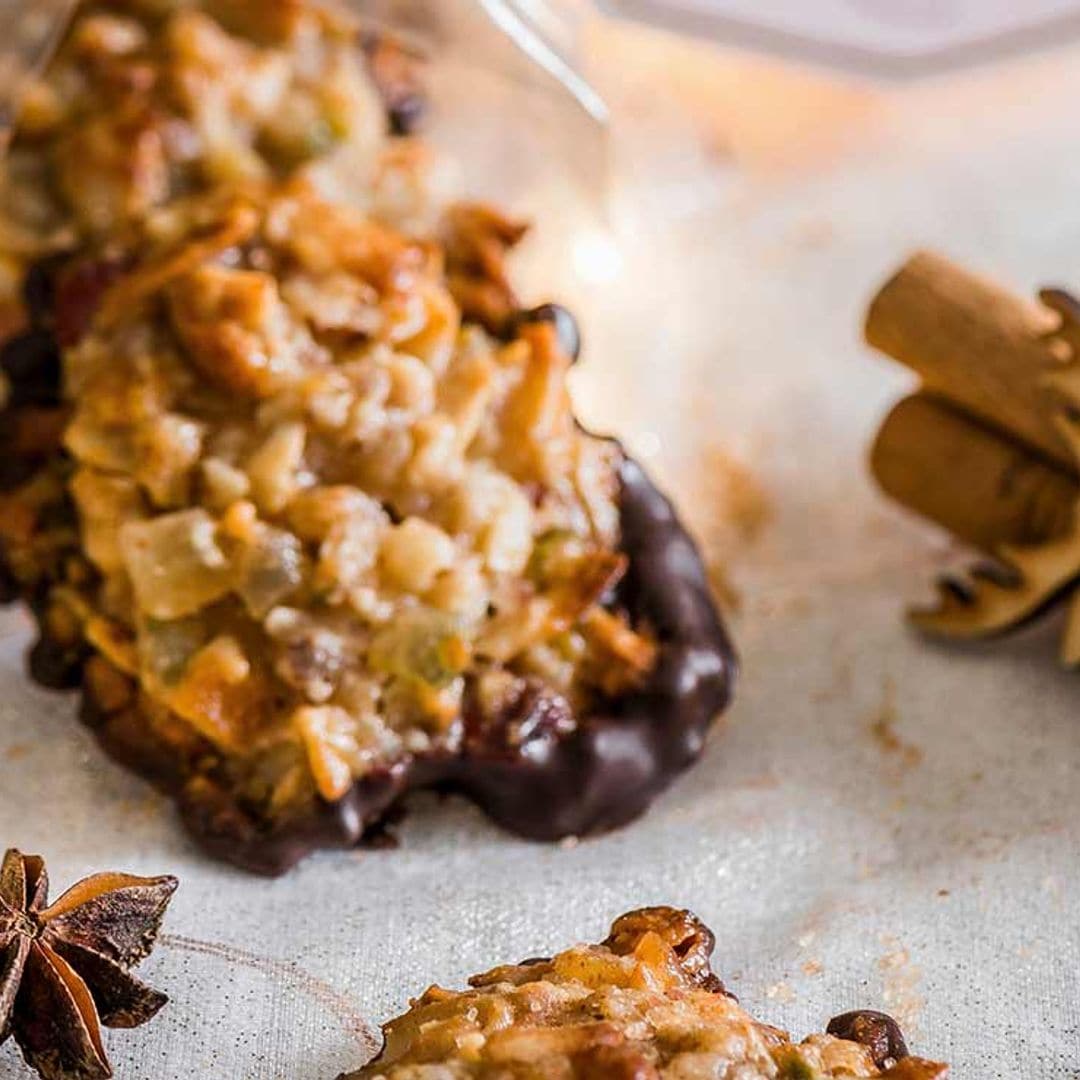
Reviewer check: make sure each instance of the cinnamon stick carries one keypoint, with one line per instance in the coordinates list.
(975, 345)
(981, 486)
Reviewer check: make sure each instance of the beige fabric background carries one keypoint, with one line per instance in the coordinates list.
(881, 823)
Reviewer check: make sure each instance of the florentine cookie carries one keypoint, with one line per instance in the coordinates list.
(330, 542)
(642, 1005)
(294, 488)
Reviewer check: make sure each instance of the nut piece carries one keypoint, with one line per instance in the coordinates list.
(689, 938)
(878, 1032)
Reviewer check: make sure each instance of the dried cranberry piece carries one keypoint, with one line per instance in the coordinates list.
(39, 289)
(31, 362)
(79, 289)
(396, 74)
(614, 1058)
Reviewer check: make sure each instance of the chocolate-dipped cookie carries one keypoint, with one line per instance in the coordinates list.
(298, 498)
(315, 541)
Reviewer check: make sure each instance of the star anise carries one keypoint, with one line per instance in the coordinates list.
(64, 966)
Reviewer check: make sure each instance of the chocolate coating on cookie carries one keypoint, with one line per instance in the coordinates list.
(602, 775)
(31, 363)
(30, 367)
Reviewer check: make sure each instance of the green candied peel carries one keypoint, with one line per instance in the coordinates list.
(166, 646)
(269, 570)
(291, 149)
(425, 645)
(316, 124)
(793, 1066)
(552, 553)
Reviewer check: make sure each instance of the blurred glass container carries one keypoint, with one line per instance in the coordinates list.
(510, 113)
(513, 115)
(886, 38)
(511, 107)
(513, 63)
(526, 46)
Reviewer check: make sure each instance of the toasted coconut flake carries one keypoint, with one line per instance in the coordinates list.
(236, 225)
(623, 657)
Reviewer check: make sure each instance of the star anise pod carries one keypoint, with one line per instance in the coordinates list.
(64, 966)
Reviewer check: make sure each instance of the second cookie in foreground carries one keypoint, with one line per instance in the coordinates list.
(644, 1004)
